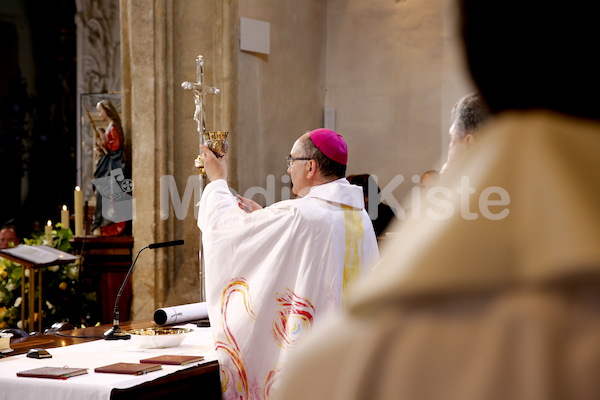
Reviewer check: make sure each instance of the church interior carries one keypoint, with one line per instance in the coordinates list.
(384, 74)
(227, 149)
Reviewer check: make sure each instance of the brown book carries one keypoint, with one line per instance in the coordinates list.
(128, 368)
(53, 372)
(172, 360)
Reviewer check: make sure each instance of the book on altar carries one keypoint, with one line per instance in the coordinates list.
(41, 254)
(53, 372)
(172, 359)
(128, 368)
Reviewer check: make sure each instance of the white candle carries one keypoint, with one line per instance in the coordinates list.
(78, 212)
(48, 233)
(64, 217)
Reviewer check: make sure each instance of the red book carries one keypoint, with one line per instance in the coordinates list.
(128, 368)
(53, 372)
(172, 360)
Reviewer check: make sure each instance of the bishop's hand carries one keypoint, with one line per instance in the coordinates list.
(247, 205)
(216, 168)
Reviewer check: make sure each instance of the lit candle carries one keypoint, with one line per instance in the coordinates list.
(64, 217)
(48, 233)
(78, 212)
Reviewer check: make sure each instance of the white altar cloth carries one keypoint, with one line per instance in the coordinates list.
(95, 386)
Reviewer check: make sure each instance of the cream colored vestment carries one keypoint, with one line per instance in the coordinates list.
(274, 273)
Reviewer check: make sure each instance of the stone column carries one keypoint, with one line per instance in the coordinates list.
(160, 41)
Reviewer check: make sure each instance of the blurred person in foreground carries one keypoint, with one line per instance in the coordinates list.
(496, 301)
(274, 273)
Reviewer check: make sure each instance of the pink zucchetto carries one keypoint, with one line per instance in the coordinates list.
(331, 144)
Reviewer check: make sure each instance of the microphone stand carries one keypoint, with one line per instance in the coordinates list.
(116, 333)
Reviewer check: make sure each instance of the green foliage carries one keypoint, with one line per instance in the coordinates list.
(64, 295)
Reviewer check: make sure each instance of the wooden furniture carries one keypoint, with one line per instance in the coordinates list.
(105, 262)
(198, 382)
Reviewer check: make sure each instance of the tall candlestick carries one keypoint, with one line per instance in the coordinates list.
(78, 212)
(64, 217)
(48, 234)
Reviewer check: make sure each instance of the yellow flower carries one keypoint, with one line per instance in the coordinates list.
(63, 285)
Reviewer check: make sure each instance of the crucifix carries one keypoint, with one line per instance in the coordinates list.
(216, 141)
(198, 90)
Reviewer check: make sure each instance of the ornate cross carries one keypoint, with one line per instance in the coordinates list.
(198, 90)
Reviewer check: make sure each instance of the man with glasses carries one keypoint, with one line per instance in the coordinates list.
(272, 274)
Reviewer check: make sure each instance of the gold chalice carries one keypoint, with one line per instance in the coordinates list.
(216, 141)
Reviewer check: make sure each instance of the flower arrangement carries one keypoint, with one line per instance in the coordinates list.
(65, 297)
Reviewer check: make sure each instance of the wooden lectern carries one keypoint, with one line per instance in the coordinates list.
(33, 259)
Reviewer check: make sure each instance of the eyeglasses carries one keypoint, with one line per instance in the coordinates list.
(290, 160)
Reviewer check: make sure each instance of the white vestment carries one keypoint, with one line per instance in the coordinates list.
(273, 273)
(482, 304)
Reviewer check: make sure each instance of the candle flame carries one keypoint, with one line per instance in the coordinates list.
(77, 188)
(65, 207)
(49, 223)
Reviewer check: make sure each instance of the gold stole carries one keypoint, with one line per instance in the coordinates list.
(354, 250)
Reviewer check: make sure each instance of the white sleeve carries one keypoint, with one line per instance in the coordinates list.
(216, 199)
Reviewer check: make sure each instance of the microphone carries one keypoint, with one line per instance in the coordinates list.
(166, 244)
(116, 332)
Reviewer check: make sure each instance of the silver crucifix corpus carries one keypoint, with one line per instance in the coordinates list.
(198, 90)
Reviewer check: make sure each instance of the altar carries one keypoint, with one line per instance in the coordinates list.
(201, 379)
